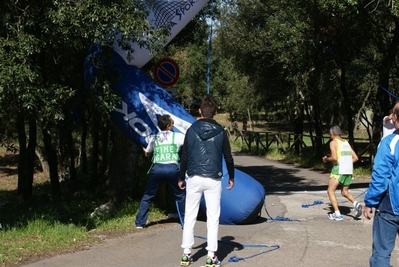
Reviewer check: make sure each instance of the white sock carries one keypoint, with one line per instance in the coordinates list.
(337, 213)
(355, 203)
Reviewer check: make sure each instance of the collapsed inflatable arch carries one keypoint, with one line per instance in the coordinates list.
(143, 101)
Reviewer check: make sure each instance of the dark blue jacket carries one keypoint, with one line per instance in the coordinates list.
(205, 144)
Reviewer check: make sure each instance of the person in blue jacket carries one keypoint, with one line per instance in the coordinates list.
(383, 196)
(205, 145)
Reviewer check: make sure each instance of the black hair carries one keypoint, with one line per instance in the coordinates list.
(164, 121)
(208, 106)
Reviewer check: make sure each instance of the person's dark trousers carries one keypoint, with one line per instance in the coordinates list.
(160, 173)
(385, 229)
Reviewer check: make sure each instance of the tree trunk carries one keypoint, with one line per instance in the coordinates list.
(51, 156)
(22, 158)
(83, 151)
(40, 154)
(26, 162)
(30, 158)
(310, 123)
(318, 127)
(71, 154)
(298, 127)
(347, 106)
(250, 120)
(123, 165)
(104, 151)
(95, 152)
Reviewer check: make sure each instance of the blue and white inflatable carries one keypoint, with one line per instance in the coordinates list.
(143, 101)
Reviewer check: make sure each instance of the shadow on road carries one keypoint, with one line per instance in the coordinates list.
(293, 178)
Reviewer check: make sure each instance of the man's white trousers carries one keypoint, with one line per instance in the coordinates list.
(196, 186)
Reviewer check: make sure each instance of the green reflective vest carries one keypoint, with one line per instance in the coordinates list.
(165, 152)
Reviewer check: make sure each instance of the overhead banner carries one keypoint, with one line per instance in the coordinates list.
(173, 13)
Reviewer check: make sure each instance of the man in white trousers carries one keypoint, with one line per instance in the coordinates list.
(205, 145)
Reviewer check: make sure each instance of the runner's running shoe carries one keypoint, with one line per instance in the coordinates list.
(357, 211)
(334, 217)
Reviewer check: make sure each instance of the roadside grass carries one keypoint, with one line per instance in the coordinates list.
(47, 226)
(50, 230)
(362, 171)
(36, 237)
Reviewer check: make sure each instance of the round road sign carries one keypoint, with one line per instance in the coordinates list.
(166, 72)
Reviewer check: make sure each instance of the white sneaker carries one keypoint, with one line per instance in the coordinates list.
(357, 211)
(334, 217)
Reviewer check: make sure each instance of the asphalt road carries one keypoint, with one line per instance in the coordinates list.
(304, 236)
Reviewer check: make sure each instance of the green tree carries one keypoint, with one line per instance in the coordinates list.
(43, 45)
(304, 55)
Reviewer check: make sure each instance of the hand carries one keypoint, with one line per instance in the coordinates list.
(181, 185)
(231, 184)
(324, 159)
(367, 213)
(145, 153)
